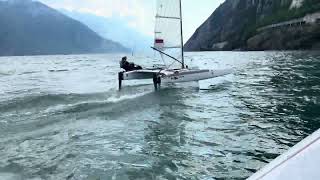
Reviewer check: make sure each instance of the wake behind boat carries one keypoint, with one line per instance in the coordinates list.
(169, 44)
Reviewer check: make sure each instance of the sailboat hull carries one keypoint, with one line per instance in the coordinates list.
(175, 76)
(140, 74)
(192, 75)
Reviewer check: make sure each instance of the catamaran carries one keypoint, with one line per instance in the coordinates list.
(169, 43)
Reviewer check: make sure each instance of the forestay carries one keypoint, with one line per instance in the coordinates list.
(168, 29)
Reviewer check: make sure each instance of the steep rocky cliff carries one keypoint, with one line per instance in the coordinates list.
(237, 24)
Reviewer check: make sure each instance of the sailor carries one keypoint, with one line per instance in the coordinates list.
(128, 66)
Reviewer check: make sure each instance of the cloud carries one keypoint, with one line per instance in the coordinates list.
(138, 13)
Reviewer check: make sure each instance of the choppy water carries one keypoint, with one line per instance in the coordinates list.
(63, 118)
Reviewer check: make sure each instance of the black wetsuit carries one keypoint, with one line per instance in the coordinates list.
(129, 66)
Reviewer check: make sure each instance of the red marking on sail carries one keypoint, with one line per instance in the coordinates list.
(159, 41)
(159, 44)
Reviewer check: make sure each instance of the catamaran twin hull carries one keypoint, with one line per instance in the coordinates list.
(172, 76)
(168, 38)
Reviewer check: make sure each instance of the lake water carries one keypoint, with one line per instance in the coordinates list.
(62, 117)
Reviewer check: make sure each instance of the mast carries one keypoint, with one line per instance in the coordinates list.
(182, 53)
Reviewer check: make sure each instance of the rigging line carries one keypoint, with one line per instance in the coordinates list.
(166, 54)
(164, 62)
(167, 17)
(171, 64)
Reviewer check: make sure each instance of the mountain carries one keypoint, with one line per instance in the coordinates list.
(32, 28)
(115, 29)
(260, 25)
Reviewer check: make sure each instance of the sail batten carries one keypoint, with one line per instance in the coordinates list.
(168, 17)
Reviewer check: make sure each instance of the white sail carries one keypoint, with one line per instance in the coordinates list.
(168, 30)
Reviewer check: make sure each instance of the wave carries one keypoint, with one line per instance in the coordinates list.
(220, 87)
(124, 97)
(112, 106)
(57, 103)
(7, 73)
(39, 111)
(29, 72)
(44, 100)
(58, 70)
(42, 110)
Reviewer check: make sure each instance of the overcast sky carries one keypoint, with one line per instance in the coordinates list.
(139, 14)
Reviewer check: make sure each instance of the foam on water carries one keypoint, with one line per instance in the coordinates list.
(116, 99)
(6, 73)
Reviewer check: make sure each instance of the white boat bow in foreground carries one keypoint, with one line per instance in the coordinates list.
(300, 163)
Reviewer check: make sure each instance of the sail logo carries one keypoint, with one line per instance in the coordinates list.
(159, 44)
